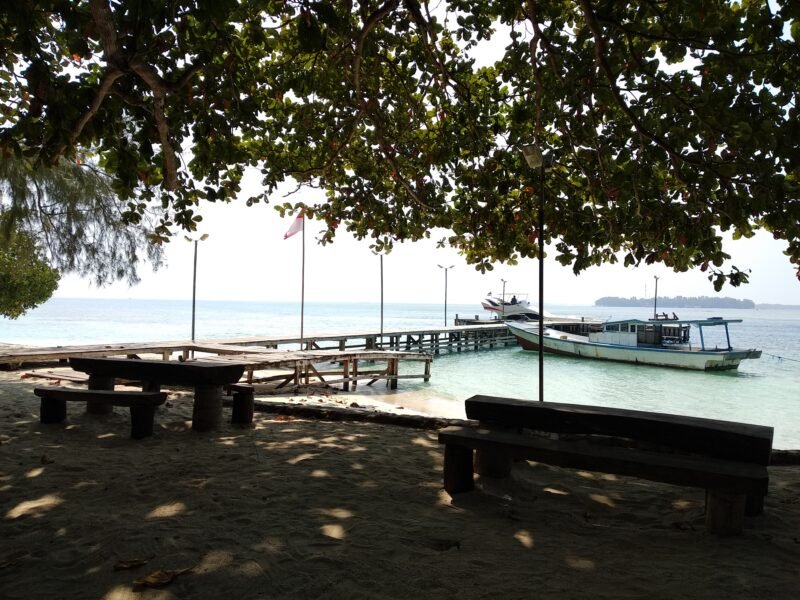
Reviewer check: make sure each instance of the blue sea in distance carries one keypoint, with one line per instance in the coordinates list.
(764, 391)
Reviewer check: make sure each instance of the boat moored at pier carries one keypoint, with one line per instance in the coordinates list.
(662, 342)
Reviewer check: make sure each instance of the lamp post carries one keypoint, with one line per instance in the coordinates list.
(503, 301)
(194, 274)
(445, 291)
(655, 299)
(381, 344)
(533, 156)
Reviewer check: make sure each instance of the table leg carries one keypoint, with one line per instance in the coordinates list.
(207, 411)
(100, 382)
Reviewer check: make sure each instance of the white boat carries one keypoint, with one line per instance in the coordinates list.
(508, 306)
(660, 342)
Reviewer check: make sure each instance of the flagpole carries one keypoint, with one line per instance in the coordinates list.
(303, 284)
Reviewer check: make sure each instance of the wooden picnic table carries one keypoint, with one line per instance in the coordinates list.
(207, 379)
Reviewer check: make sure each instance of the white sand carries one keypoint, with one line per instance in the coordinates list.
(312, 509)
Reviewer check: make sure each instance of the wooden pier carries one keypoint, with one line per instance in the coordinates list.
(336, 358)
(433, 340)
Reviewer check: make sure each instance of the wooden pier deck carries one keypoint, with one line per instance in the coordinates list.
(302, 361)
(432, 340)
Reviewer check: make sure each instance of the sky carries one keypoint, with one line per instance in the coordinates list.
(246, 258)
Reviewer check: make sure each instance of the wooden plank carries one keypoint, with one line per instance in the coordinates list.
(115, 397)
(720, 439)
(163, 372)
(677, 469)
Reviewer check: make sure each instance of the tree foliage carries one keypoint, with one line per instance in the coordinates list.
(26, 280)
(72, 212)
(665, 122)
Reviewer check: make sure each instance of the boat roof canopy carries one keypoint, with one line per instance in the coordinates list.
(710, 322)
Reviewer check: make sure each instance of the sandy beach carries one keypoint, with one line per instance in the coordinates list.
(308, 508)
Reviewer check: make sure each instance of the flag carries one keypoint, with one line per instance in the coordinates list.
(296, 227)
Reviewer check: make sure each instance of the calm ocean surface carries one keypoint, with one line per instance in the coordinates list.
(764, 391)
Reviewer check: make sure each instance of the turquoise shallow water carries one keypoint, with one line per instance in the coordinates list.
(764, 391)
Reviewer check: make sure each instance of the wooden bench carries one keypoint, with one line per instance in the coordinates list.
(142, 405)
(243, 403)
(207, 379)
(728, 460)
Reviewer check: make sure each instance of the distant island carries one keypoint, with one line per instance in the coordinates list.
(677, 302)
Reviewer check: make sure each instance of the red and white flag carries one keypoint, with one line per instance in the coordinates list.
(296, 227)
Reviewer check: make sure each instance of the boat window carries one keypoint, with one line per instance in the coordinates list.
(612, 327)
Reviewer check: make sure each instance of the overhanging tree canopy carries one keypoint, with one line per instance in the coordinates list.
(666, 121)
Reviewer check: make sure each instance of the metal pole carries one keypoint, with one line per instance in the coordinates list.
(503, 301)
(655, 300)
(381, 345)
(194, 286)
(541, 284)
(303, 284)
(445, 295)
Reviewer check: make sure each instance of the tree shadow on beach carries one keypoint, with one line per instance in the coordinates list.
(300, 508)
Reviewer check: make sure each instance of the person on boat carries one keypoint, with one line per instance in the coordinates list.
(674, 317)
(513, 299)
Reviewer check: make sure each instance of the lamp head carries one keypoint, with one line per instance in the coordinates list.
(532, 155)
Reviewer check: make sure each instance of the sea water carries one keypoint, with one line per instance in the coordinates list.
(764, 391)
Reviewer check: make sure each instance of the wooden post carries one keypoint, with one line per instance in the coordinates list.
(207, 411)
(243, 407)
(345, 375)
(355, 373)
(393, 371)
(493, 463)
(52, 410)
(427, 369)
(142, 417)
(755, 505)
(458, 469)
(724, 512)
(100, 382)
(151, 386)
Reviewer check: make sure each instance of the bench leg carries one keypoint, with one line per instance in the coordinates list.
(142, 418)
(755, 505)
(458, 469)
(99, 407)
(243, 405)
(207, 410)
(724, 512)
(52, 411)
(493, 463)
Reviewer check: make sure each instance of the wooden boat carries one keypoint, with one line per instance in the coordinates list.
(662, 342)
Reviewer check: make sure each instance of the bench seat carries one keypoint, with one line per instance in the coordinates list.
(729, 460)
(677, 469)
(142, 405)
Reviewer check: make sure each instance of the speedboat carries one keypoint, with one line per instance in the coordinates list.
(663, 342)
(510, 307)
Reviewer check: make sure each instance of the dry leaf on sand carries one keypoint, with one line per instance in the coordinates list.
(159, 578)
(131, 563)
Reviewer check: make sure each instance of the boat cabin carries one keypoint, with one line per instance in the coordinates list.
(657, 332)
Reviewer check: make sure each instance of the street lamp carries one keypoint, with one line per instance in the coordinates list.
(445, 291)
(503, 300)
(194, 273)
(533, 156)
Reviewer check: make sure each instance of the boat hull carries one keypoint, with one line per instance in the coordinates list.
(557, 342)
